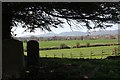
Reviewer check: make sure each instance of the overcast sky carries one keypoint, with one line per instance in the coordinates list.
(20, 31)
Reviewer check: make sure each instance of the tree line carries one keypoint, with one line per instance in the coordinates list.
(87, 37)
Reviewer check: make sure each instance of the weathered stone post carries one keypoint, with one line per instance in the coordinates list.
(33, 58)
(12, 58)
(32, 53)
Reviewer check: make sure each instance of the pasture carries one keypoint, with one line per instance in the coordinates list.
(65, 64)
(86, 52)
(91, 52)
(56, 43)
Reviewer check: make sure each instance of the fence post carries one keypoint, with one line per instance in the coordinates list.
(71, 55)
(91, 54)
(118, 50)
(46, 55)
(80, 55)
(114, 51)
(116, 54)
(102, 54)
(62, 55)
(54, 55)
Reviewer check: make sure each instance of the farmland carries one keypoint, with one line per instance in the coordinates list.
(92, 52)
(77, 63)
(57, 43)
(86, 52)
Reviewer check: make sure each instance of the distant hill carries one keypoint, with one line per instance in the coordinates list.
(77, 33)
(104, 32)
(47, 35)
(73, 33)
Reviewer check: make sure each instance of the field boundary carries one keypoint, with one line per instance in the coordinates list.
(82, 46)
(91, 55)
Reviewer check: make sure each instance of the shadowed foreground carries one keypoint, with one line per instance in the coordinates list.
(57, 68)
(74, 69)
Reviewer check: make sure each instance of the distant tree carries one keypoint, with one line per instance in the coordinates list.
(112, 37)
(87, 44)
(77, 44)
(81, 37)
(63, 46)
(45, 15)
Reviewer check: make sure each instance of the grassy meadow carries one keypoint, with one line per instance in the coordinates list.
(86, 52)
(56, 43)
(65, 64)
(92, 52)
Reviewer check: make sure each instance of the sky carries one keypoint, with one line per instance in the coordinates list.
(20, 31)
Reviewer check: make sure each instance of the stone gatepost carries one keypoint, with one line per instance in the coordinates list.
(12, 58)
(33, 58)
(32, 53)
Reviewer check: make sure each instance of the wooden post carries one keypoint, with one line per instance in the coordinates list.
(54, 55)
(102, 54)
(71, 55)
(118, 50)
(80, 55)
(116, 54)
(91, 54)
(114, 51)
(46, 55)
(62, 55)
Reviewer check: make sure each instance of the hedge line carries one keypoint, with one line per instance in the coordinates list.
(82, 46)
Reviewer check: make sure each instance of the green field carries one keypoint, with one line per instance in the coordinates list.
(91, 52)
(44, 44)
(87, 52)
(55, 64)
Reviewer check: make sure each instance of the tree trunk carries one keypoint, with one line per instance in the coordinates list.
(6, 21)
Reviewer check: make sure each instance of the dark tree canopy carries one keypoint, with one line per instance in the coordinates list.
(50, 14)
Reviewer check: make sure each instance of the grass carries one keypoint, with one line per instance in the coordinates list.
(79, 52)
(63, 68)
(75, 69)
(44, 44)
(73, 42)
